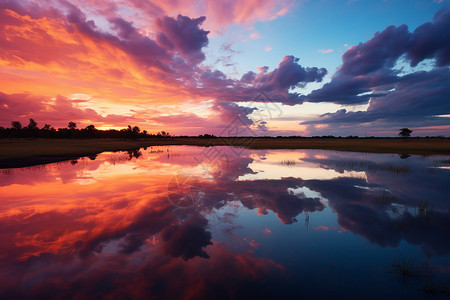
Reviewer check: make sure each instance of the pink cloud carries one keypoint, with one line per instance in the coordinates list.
(325, 50)
(58, 111)
(255, 35)
(118, 63)
(267, 48)
(220, 14)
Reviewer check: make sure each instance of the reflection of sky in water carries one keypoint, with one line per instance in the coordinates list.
(263, 223)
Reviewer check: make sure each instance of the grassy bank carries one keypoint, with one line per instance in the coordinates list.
(21, 152)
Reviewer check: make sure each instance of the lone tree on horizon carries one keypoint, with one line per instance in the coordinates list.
(405, 132)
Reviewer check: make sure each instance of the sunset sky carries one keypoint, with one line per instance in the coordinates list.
(272, 67)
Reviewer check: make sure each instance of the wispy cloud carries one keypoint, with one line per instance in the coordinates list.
(255, 35)
(325, 50)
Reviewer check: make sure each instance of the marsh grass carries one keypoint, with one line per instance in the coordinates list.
(385, 198)
(422, 210)
(408, 267)
(433, 288)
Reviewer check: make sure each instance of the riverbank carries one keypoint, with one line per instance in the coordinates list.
(26, 152)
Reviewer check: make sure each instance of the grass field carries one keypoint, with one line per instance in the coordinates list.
(22, 152)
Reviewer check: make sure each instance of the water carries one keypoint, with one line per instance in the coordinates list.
(185, 222)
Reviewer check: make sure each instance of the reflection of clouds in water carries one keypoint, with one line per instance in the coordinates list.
(379, 218)
(106, 223)
(188, 238)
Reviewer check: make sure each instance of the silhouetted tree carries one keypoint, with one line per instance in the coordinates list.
(405, 132)
(72, 125)
(16, 125)
(163, 133)
(90, 128)
(71, 131)
(135, 153)
(47, 127)
(32, 125)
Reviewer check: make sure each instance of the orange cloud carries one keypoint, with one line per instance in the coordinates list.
(64, 60)
(129, 72)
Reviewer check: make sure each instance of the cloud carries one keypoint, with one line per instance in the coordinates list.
(94, 49)
(432, 40)
(277, 84)
(221, 15)
(325, 50)
(255, 35)
(60, 110)
(369, 73)
(230, 111)
(187, 239)
(184, 35)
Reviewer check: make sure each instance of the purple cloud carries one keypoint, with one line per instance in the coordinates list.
(184, 35)
(432, 40)
(368, 73)
(277, 85)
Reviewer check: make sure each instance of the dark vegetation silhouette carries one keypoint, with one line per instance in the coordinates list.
(72, 131)
(17, 130)
(405, 132)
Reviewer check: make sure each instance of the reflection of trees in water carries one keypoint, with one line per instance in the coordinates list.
(134, 154)
(424, 276)
(307, 220)
(364, 165)
(288, 163)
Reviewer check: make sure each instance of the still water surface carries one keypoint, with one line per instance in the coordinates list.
(186, 222)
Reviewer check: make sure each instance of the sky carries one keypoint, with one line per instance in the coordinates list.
(231, 67)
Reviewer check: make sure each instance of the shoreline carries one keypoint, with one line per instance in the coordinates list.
(21, 152)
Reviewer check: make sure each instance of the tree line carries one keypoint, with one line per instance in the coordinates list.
(72, 131)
